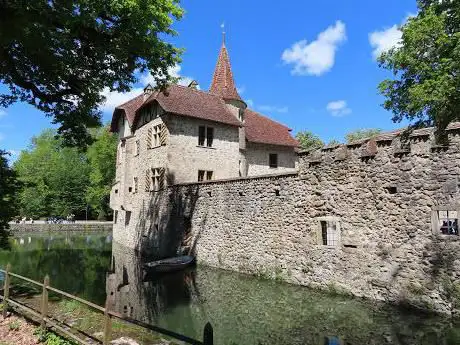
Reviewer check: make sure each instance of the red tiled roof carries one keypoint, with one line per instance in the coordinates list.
(261, 129)
(223, 84)
(129, 108)
(187, 101)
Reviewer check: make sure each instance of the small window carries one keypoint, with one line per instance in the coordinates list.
(201, 135)
(137, 148)
(201, 175)
(446, 222)
(127, 217)
(157, 178)
(135, 180)
(156, 136)
(329, 232)
(205, 136)
(208, 175)
(115, 216)
(116, 191)
(209, 136)
(273, 160)
(130, 189)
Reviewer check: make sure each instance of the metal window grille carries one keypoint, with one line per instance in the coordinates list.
(448, 222)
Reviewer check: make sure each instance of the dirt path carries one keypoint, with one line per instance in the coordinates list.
(15, 330)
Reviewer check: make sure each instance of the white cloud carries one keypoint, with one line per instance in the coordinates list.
(317, 57)
(114, 98)
(273, 109)
(249, 102)
(241, 89)
(383, 40)
(2, 113)
(338, 108)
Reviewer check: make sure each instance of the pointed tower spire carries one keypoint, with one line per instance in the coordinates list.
(223, 84)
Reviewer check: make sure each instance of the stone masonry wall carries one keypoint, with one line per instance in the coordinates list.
(382, 196)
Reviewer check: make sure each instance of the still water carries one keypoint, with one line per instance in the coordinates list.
(242, 309)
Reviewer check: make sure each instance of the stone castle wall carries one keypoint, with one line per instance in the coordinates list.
(383, 196)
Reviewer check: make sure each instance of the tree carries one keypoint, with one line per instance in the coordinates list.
(333, 142)
(54, 178)
(102, 160)
(308, 140)
(361, 134)
(426, 66)
(60, 55)
(8, 188)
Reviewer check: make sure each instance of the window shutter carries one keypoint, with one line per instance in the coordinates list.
(147, 180)
(163, 135)
(162, 178)
(149, 138)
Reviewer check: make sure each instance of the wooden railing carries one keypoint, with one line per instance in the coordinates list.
(64, 329)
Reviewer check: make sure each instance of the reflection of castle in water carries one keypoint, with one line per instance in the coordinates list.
(145, 297)
(246, 310)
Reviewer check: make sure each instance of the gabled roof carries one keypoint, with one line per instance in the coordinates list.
(223, 84)
(187, 101)
(129, 108)
(261, 129)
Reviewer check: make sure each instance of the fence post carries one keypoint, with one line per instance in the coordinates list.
(107, 324)
(208, 335)
(44, 306)
(6, 290)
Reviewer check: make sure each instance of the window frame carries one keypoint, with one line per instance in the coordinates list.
(320, 232)
(137, 147)
(270, 165)
(206, 135)
(435, 220)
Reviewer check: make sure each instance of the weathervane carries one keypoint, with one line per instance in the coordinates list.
(222, 26)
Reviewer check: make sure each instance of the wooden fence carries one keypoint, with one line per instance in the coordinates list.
(65, 330)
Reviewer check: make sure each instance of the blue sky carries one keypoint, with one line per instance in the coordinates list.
(308, 64)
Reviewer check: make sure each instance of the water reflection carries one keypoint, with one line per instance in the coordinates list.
(246, 310)
(73, 264)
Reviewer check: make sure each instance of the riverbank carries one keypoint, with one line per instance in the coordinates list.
(90, 226)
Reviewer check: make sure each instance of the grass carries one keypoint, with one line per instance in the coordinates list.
(91, 321)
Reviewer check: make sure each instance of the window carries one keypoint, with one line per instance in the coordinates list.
(115, 217)
(205, 136)
(445, 221)
(273, 160)
(201, 175)
(155, 136)
(157, 178)
(137, 147)
(135, 180)
(329, 231)
(127, 217)
(204, 175)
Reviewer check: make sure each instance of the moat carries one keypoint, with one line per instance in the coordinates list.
(242, 309)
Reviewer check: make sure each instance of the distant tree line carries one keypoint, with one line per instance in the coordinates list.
(56, 180)
(310, 141)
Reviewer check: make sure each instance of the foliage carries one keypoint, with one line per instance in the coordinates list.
(8, 189)
(308, 140)
(14, 325)
(333, 142)
(54, 178)
(426, 66)
(51, 338)
(59, 56)
(361, 134)
(102, 159)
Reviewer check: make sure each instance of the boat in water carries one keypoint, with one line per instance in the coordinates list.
(169, 265)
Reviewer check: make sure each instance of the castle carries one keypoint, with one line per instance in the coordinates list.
(376, 218)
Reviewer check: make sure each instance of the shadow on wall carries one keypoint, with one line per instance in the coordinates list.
(164, 224)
